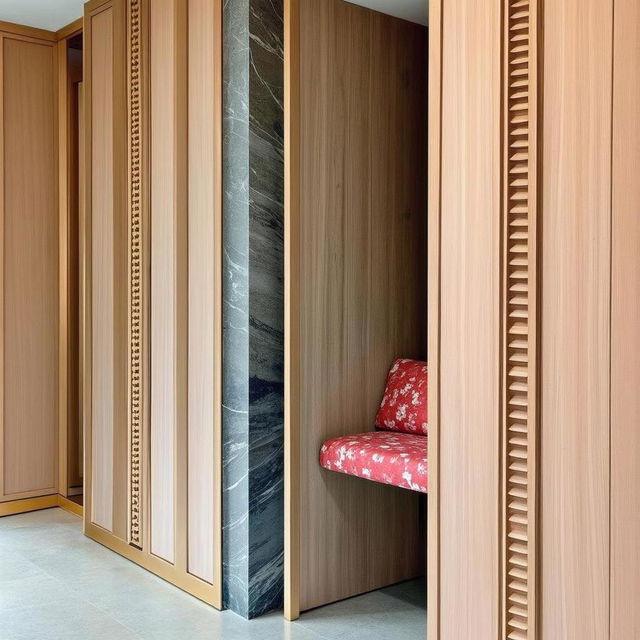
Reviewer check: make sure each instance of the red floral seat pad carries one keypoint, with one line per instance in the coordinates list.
(399, 459)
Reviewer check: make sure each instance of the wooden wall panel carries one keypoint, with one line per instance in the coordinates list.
(469, 358)
(359, 291)
(105, 330)
(575, 354)
(205, 262)
(102, 168)
(168, 270)
(625, 326)
(30, 267)
(165, 471)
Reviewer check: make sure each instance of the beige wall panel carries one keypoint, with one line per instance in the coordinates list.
(575, 353)
(625, 326)
(168, 288)
(203, 255)
(362, 283)
(30, 263)
(470, 323)
(102, 257)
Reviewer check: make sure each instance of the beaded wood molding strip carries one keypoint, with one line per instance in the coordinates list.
(520, 334)
(134, 60)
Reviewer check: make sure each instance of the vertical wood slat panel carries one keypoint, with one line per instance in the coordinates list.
(29, 267)
(575, 355)
(625, 328)
(168, 279)
(469, 358)
(205, 260)
(520, 335)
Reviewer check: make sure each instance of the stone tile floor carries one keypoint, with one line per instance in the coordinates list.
(57, 584)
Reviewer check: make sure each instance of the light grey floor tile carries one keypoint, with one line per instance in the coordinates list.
(63, 621)
(57, 584)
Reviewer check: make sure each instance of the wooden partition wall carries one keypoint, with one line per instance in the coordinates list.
(29, 304)
(356, 285)
(534, 289)
(153, 285)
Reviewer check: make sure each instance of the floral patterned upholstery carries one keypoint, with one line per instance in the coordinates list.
(397, 454)
(404, 405)
(398, 459)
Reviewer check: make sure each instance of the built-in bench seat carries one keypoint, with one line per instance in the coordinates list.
(396, 453)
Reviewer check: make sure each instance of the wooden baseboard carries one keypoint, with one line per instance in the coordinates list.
(70, 506)
(28, 504)
(25, 505)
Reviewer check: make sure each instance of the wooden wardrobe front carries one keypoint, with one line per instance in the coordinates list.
(152, 325)
(30, 321)
(534, 332)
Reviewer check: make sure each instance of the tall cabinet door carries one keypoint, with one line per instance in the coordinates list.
(29, 234)
(153, 286)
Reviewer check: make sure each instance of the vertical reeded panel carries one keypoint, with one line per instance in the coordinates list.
(168, 265)
(575, 354)
(469, 372)
(29, 267)
(102, 257)
(520, 340)
(137, 263)
(625, 326)
(204, 256)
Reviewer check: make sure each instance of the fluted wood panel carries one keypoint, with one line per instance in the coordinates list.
(625, 326)
(520, 337)
(575, 355)
(28, 205)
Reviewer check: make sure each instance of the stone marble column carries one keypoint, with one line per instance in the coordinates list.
(253, 362)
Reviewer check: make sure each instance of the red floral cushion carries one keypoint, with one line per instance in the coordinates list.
(382, 456)
(404, 405)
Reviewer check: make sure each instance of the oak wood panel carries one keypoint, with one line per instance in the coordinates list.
(168, 276)
(11, 28)
(359, 289)
(120, 272)
(434, 133)
(469, 357)
(205, 311)
(30, 267)
(100, 84)
(575, 354)
(625, 327)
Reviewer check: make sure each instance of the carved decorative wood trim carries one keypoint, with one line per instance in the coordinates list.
(520, 336)
(136, 345)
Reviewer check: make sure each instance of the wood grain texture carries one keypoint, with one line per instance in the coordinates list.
(520, 337)
(30, 267)
(360, 284)
(625, 327)
(205, 312)
(102, 257)
(575, 355)
(433, 315)
(168, 275)
(469, 358)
